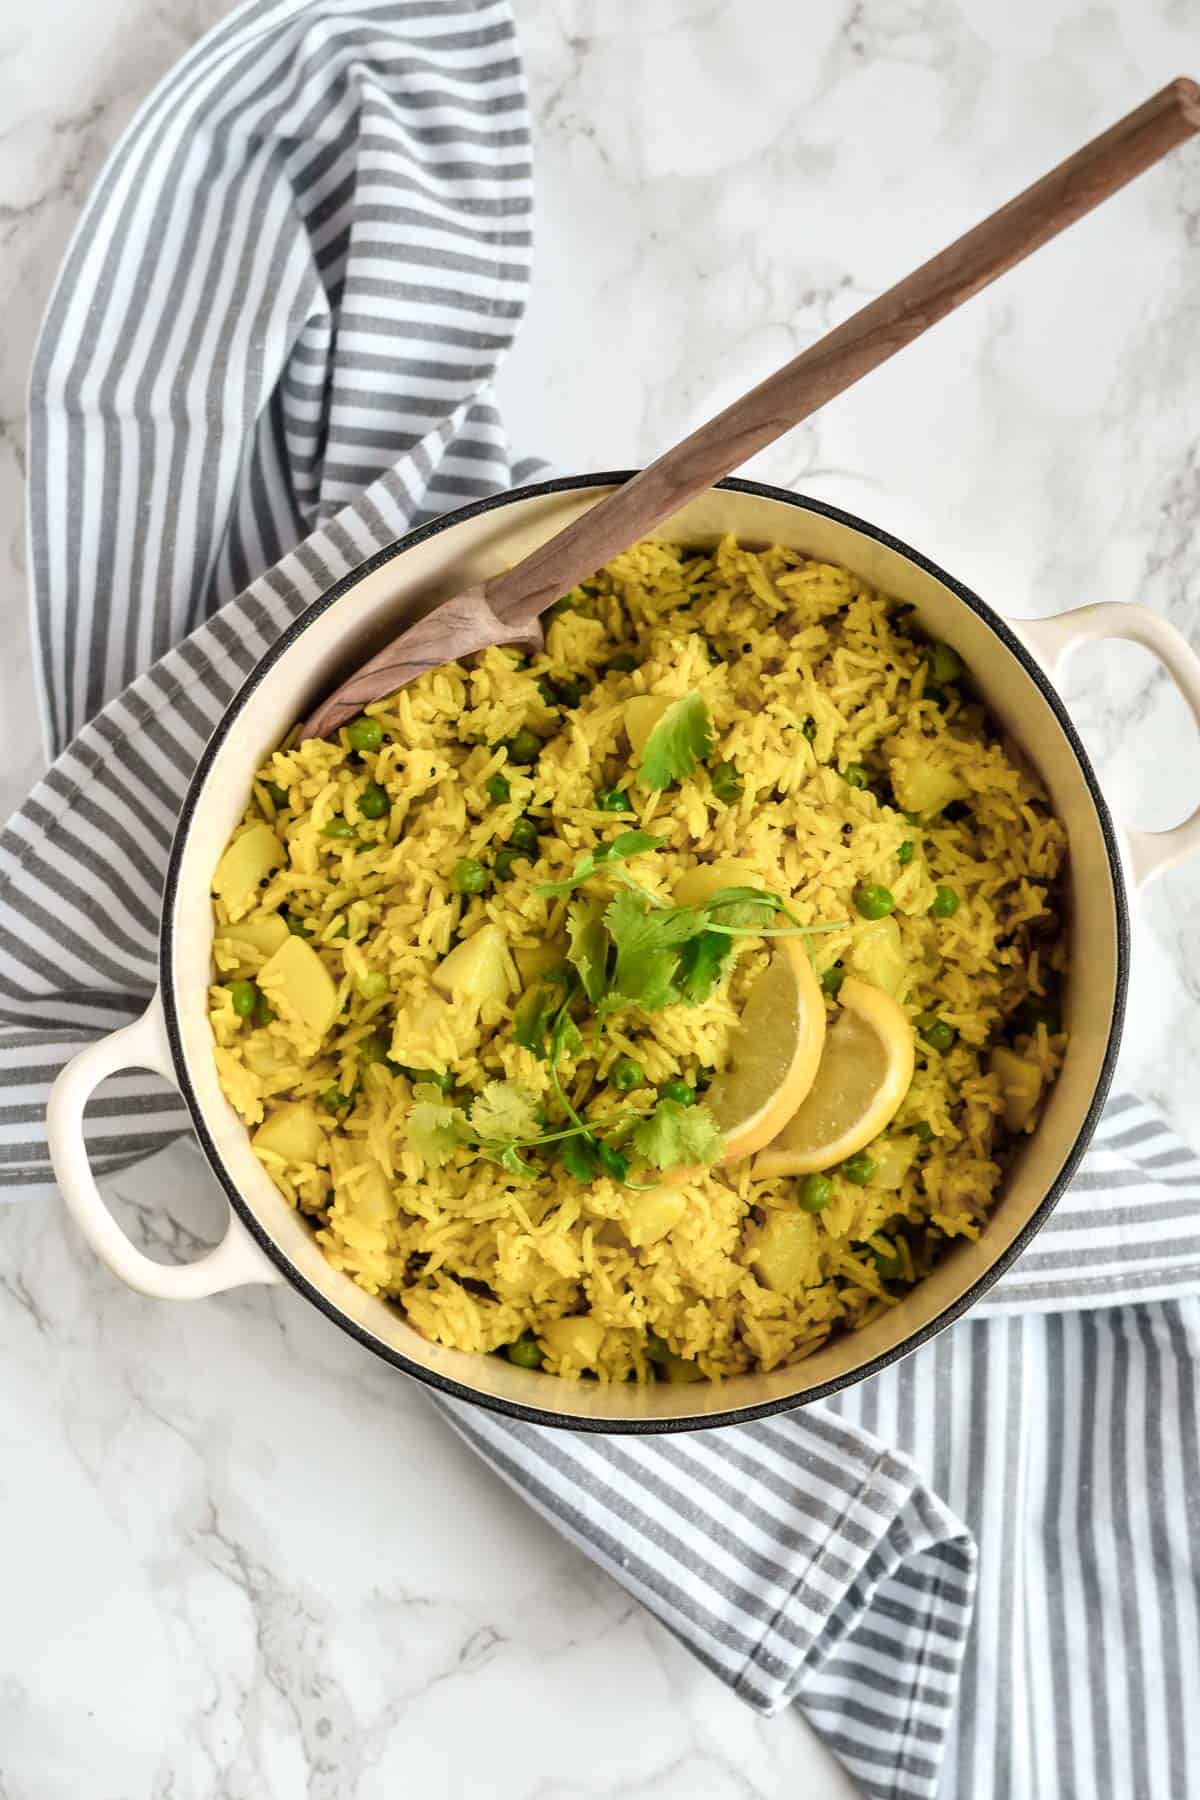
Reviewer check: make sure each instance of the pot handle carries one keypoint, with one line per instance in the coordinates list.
(1053, 639)
(232, 1263)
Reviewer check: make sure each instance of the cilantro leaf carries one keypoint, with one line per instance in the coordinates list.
(744, 906)
(504, 1111)
(622, 847)
(510, 1158)
(589, 947)
(627, 844)
(578, 1157)
(676, 1136)
(704, 962)
(534, 1015)
(434, 1130)
(647, 945)
(682, 737)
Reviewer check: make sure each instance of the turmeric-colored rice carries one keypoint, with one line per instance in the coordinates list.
(808, 675)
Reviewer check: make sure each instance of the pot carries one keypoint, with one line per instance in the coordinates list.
(267, 1242)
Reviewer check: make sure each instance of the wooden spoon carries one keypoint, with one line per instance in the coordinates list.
(506, 608)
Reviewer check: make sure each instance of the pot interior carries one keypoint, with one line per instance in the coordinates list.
(475, 546)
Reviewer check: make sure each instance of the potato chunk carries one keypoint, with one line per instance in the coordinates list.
(263, 935)
(478, 969)
(894, 1157)
(924, 788)
(1020, 1087)
(642, 714)
(575, 1340)
(250, 858)
(294, 1133)
(360, 1184)
(877, 957)
(653, 1214)
(786, 1253)
(300, 987)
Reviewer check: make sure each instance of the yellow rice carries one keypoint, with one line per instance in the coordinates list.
(816, 672)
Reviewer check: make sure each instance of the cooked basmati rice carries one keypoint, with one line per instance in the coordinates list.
(807, 673)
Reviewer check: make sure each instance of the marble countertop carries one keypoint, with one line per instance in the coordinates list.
(243, 1559)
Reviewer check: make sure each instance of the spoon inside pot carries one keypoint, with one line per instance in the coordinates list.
(507, 608)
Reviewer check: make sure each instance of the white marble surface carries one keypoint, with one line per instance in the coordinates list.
(240, 1558)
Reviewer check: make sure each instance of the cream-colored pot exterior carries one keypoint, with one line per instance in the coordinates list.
(266, 1240)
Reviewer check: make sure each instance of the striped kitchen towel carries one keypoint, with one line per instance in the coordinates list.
(270, 353)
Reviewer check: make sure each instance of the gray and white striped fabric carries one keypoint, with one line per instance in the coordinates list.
(269, 354)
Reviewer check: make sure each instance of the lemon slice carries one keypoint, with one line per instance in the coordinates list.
(775, 1056)
(865, 1073)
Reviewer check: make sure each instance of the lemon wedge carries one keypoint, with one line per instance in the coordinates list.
(865, 1072)
(775, 1056)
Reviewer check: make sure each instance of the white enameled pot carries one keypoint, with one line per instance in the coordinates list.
(267, 1242)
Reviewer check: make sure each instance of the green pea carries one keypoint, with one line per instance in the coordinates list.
(364, 733)
(906, 852)
(525, 1351)
(578, 1158)
(936, 696)
(298, 927)
(497, 789)
(726, 782)
(888, 1262)
(937, 1034)
(612, 1162)
(570, 690)
(372, 983)
(924, 1131)
(657, 1348)
(279, 795)
(468, 876)
(945, 664)
(860, 1169)
(547, 691)
(623, 663)
(525, 747)
(340, 828)
(680, 1091)
(264, 1012)
(374, 1047)
(858, 776)
(832, 979)
(873, 901)
(505, 865)
(445, 1082)
(244, 997)
(613, 800)
(333, 1100)
(524, 836)
(626, 1074)
(945, 903)
(809, 728)
(373, 802)
(815, 1193)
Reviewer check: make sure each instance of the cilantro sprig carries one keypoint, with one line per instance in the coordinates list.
(604, 856)
(634, 950)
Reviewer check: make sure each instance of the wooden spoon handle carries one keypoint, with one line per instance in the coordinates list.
(833, 364)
